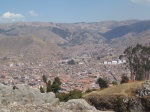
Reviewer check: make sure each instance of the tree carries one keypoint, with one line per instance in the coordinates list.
(42, 90)
(129, 56)
(51, 87)
(71, 62)
(102, 83)
(98, 58)
(56, 85)
(44, 79)
(48, 88)
(57, 81)
(124, 79)
(120, 57)
(55, 88)
(138, 61)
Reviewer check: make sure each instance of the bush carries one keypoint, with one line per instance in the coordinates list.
(114, 83)
(88, 91)
(146, 103)
(124, 79)
(71, 62)
(54, 87)
(75, 94)
(62, 96)
(119, 106)
(102, 83)
(42, 90)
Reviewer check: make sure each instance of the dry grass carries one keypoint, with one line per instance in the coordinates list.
(126, 89)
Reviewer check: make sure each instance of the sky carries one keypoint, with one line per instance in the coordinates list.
(73, 11)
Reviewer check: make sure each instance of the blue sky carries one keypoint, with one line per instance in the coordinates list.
(72, 11)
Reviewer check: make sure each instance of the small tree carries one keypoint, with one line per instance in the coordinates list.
(71, 62)
(44, 79)
(55, 88)
(125, 79)
(114, 83)
(56, 85)
(51, 87)
(48, 88)
(102, 83)
(57, 81)
(42, 90)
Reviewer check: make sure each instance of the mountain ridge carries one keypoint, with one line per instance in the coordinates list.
(97, 37)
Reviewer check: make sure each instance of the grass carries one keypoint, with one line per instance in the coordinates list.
(126, 89)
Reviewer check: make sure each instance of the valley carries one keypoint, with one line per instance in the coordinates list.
(29, 50)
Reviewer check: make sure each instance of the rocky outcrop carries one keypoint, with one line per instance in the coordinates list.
(77, 105)
(144, 91)
(22, 98)
(23, 94)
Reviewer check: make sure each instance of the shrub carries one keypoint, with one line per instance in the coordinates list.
(102, 83)
(75, 94)
(88, 91)
(119, 106)
(124, 79)
(146, 103)
(42, 90)
(71, 62)
(114, 83)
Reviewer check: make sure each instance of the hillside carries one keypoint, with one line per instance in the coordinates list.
(120, 31)
(127, 97)
(27, 48)
(126, 89)
(94, 38)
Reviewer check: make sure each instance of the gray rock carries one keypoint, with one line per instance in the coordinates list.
(26, 99)
(25, 95)
(78, 105)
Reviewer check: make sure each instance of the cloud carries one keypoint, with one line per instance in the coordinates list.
(8, 16)
(141, 1)
(32, 13)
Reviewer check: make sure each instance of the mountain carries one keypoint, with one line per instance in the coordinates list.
(73, 39)
(27, 48)
(61, 33)
(120, 31)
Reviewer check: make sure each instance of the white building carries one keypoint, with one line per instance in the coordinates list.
(114, 62)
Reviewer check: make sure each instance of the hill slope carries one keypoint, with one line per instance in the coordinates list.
(27, 48)
(126, 89)
(95, 39)
(130, 97)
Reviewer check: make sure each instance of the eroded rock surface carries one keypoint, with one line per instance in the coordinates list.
(22, 98)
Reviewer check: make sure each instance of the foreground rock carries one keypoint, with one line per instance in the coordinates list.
(22, 98)
(23, 94)
(76, 105)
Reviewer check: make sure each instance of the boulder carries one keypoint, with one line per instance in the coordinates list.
(78, 105)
